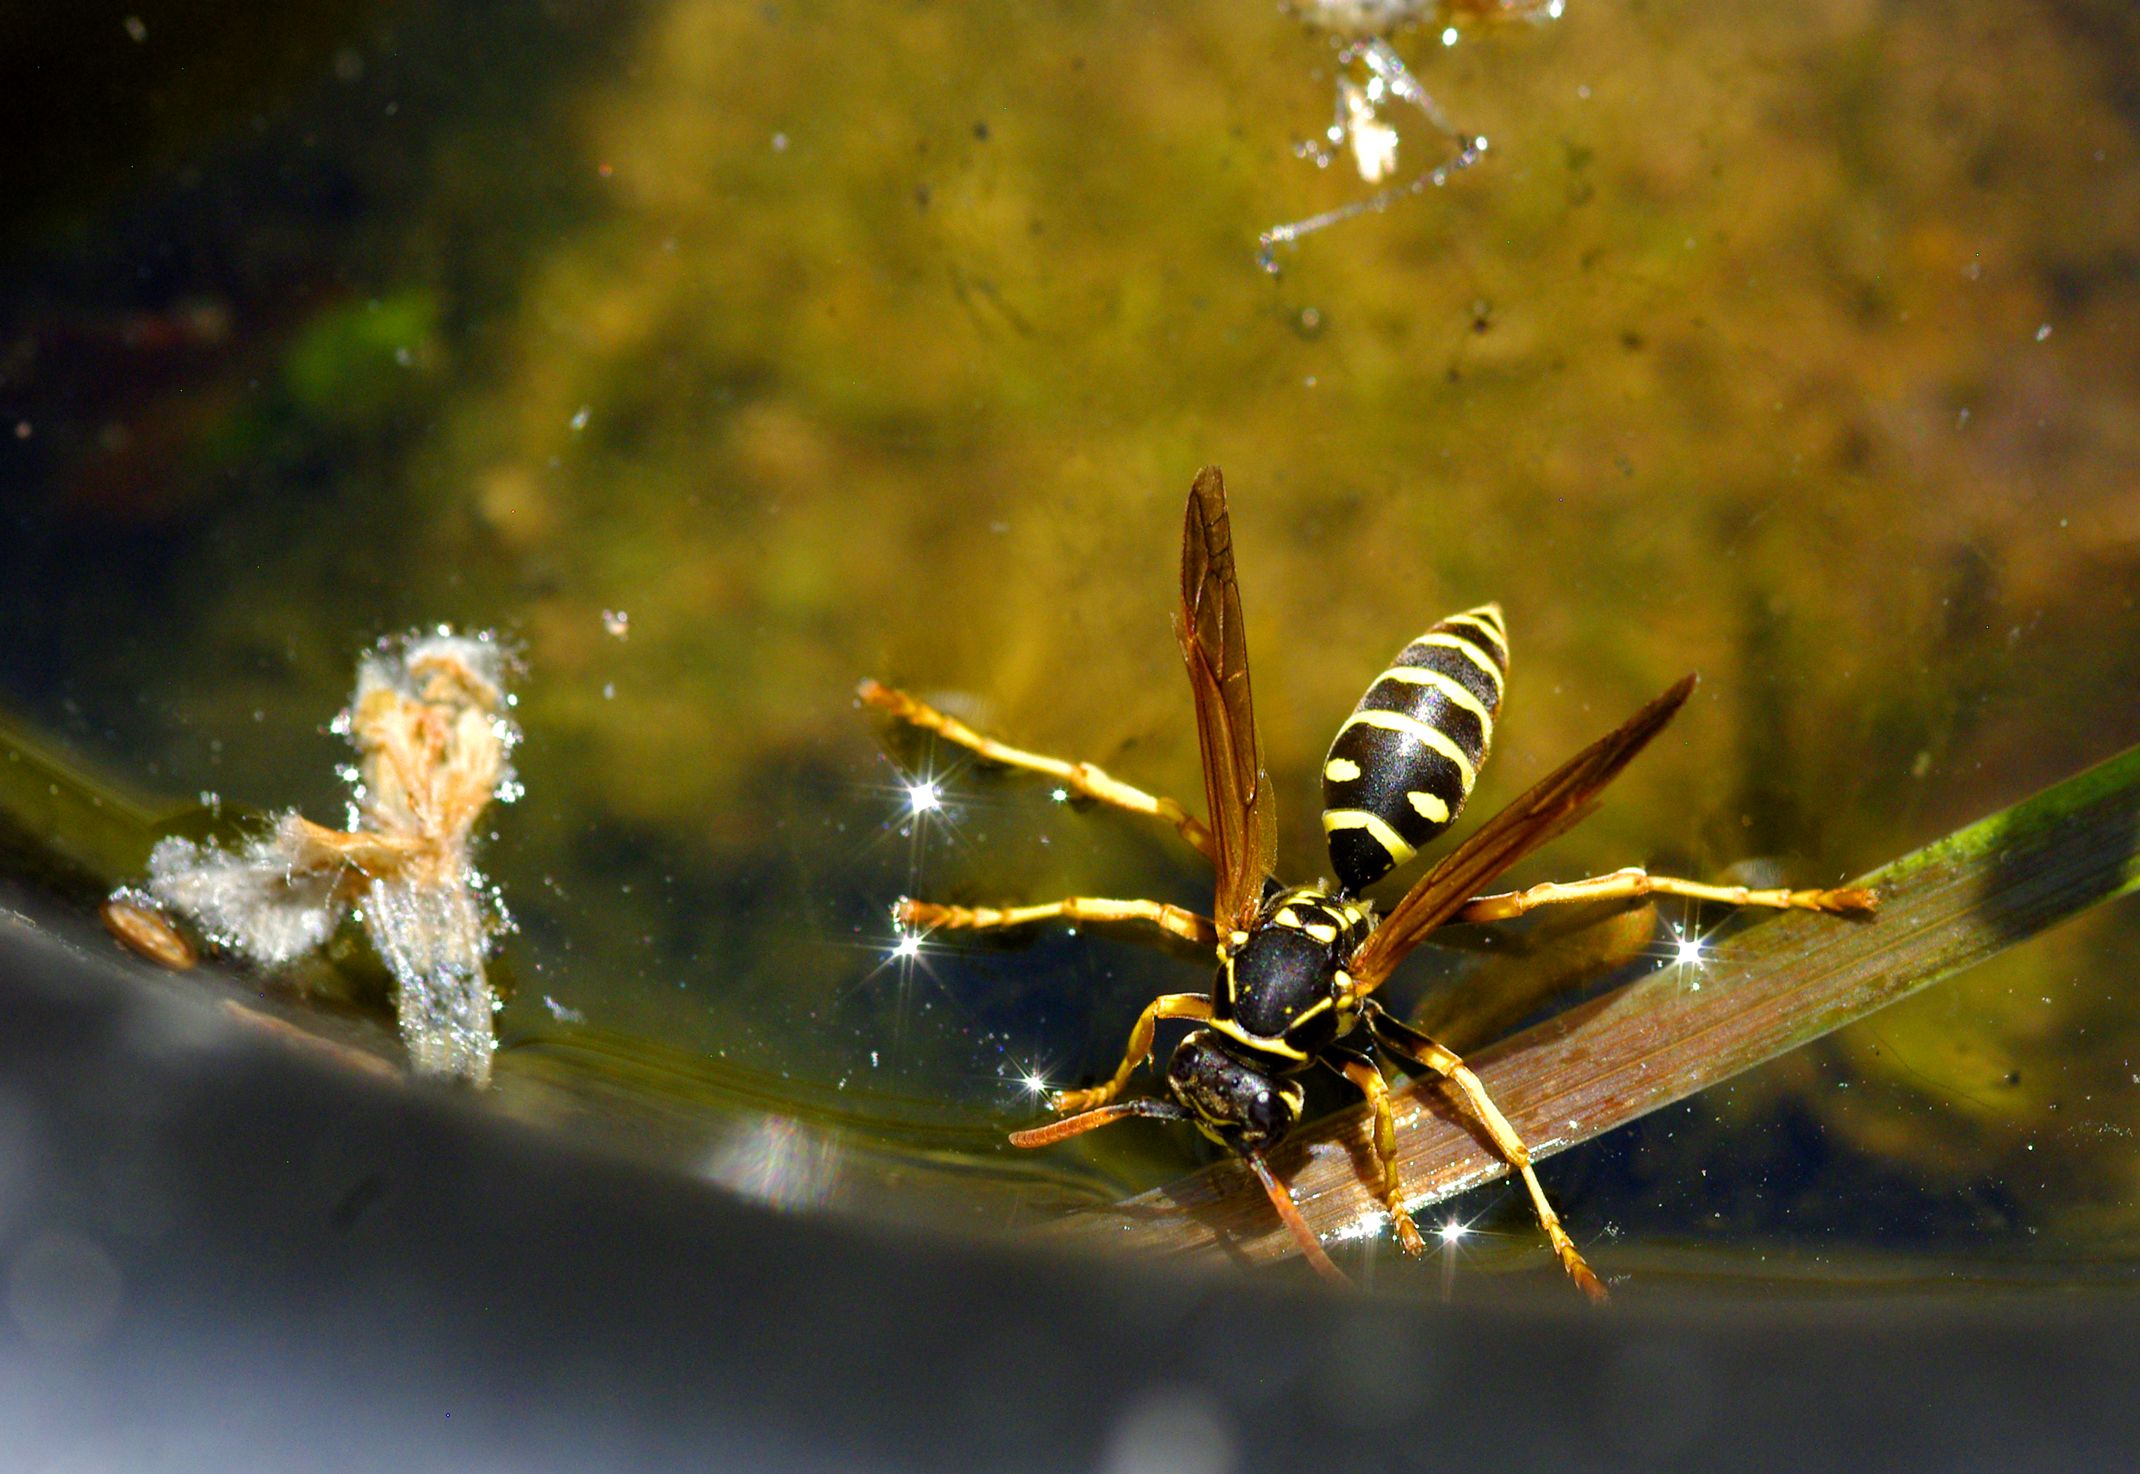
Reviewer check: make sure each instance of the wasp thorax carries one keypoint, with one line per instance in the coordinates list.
(1276, 983)
(1235, 1104)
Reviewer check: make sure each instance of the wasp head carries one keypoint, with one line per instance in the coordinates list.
(1233, 1102)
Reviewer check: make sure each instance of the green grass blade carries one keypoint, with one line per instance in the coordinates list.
(1767, 989)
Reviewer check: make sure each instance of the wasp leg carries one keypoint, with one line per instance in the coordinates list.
(1171, 919)
(1409, 1042)
(1281, 1198)
(1162, 1110)
(1361, 1071)
(1166, 1005)
(1288, 1211)
(1084, 779)
(1147, 1105)
(1634, 882)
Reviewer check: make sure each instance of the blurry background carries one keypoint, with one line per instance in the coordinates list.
(721, 354)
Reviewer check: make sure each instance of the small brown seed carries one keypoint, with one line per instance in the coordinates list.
(142, 930)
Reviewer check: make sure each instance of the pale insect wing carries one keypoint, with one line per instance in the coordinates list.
(432, 939)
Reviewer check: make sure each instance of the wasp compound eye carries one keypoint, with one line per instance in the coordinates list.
(1269, 1114)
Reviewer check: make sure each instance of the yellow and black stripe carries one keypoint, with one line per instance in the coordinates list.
(1405, 760)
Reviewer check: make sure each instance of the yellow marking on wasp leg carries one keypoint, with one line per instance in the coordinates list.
(1397, 849)
(1449, 686)
(1341, 770)
(1442, 640)
(1433, 738)
(1083, 778)
(1634, 882)
(1168, 917)
(1370, 1083)
(1167, 1005)
(1428, 806)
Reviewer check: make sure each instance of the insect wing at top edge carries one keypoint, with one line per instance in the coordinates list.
(1544, 810)
(1214, 646)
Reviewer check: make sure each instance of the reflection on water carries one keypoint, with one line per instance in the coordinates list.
(780, 1162)
(1790, 344)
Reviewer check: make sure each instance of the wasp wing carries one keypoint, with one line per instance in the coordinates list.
(1214, 645)
(1551, 805)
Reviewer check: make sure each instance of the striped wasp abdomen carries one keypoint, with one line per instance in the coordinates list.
(1406, 759)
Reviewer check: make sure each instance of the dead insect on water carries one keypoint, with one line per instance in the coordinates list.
(433, 738)
(1297, 965)
(1372, 79)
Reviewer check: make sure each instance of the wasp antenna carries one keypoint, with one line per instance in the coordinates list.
(1093, 1120)
(1289, 1211)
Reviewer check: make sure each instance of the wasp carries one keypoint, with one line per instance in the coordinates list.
(1298, 966)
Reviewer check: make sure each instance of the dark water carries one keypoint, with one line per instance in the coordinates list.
(1792, 345)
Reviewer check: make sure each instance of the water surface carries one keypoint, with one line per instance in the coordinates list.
(719, 355)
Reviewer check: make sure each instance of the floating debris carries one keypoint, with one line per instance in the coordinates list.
(1370, 77)
(433, 742)
(138, 924)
